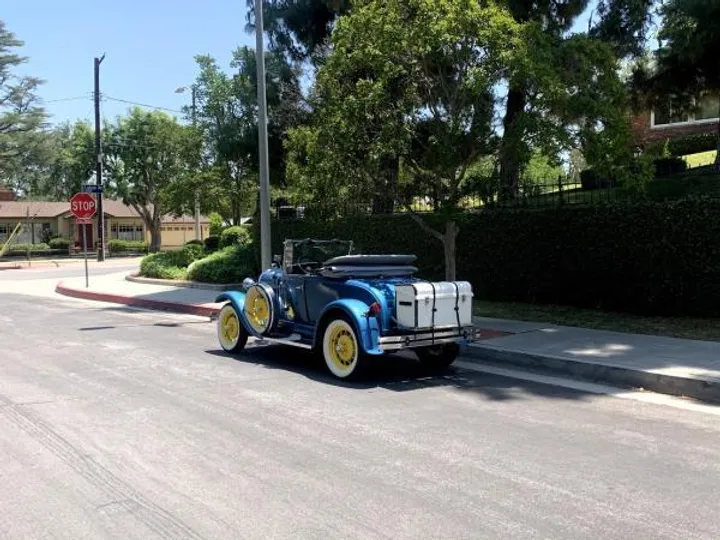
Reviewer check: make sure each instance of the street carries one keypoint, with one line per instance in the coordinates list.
(128, 424)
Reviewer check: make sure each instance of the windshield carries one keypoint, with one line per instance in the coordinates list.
(314, 251)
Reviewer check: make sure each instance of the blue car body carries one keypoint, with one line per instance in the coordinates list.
(304, 303)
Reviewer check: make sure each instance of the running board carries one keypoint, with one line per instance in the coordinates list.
(293, 341)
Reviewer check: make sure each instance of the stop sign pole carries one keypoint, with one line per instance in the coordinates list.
(83, 208)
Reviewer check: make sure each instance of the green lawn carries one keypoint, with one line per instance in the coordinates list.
(701, 159)
(688, 328)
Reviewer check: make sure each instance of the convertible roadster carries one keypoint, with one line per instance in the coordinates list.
(348, 307)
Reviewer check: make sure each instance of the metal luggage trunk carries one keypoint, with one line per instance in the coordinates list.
(443, 304)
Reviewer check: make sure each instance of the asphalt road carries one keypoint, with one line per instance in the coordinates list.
(133, 425)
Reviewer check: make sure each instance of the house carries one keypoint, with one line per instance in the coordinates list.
(42, 220)
(658, 125)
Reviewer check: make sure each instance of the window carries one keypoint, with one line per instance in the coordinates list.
(708, 108)
(127, 232)
(5, 231)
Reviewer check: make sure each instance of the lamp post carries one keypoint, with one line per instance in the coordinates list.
(265, 242)
(193, 116)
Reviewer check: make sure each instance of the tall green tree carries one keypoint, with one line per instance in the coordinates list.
(687, 64)
(150, 154)
(227, 116)
(409, 85)
(561, 73)
(300, 29)
(21, 115)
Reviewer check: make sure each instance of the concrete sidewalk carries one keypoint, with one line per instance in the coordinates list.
(674, 366)
(115, 288)
(667, 365)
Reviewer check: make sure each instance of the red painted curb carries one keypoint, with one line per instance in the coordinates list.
(202, 310)
(486, 333)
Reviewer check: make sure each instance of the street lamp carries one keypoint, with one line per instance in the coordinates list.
(265, 242)
(193, 116)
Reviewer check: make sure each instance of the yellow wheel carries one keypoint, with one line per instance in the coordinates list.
(258, 309)
(341, 349)
(231, 332)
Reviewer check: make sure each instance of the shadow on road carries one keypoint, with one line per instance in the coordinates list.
(398, 373)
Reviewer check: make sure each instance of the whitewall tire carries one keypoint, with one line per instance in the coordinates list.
(341, 349)
(232, 335)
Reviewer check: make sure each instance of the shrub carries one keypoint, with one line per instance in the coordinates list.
(216, 224)
(644, 257)
(229, 265)
(60, 243)
(668, 166)
(127, 246)
(30, 247)
(212, 243)
(235, 235)
(170, 264)
(195, 243)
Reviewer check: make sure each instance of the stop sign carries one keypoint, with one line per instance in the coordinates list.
(82, 206)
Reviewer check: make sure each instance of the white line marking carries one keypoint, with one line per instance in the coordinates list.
(593, 388)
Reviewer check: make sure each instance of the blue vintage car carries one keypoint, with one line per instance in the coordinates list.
(348, 307)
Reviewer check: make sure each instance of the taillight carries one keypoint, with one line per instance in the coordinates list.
(374, 309)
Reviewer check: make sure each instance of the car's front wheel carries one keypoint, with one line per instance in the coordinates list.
(231, 333)
(438, 356)
(341, 349)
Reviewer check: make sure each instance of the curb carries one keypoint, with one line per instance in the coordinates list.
(187, 284)
(201, 310)
(688, 386)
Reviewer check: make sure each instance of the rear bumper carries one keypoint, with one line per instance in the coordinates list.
(463, 334)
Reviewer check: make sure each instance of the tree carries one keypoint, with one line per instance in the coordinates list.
(299, 29)
(21, 116)
(408, 89)
(150, 153)
(550, 69)
(687, 64)
(227, 116)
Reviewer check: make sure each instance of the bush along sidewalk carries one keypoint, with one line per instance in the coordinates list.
(648, 258)
(170, 264)
(127, 246)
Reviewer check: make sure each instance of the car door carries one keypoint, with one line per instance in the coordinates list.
(319, 292)
(295, 295)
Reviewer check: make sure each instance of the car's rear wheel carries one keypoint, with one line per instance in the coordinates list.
(231, 333)
(341, 349)
(438, 356)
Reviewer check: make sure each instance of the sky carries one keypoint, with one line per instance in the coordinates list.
(149, 45)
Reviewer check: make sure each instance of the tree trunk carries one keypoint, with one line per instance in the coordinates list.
(510, 147)
(155, 236)
(384, 198)
(449, 245)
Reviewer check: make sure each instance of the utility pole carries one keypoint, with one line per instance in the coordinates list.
(99, 163)
(193, 118)
(198, 236)
(265, 238)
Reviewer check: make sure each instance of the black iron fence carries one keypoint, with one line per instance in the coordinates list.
(530, 194)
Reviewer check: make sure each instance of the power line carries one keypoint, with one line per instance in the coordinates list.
(76, 98)
(141, 104)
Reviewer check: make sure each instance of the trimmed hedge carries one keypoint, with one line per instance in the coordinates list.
(669, 166)
(25, 247)
(693, 144)
(170, 264)
(640, 257)
(235, 235)
(212, 243)
(229, 265)
(127, 246)
(60, 243)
